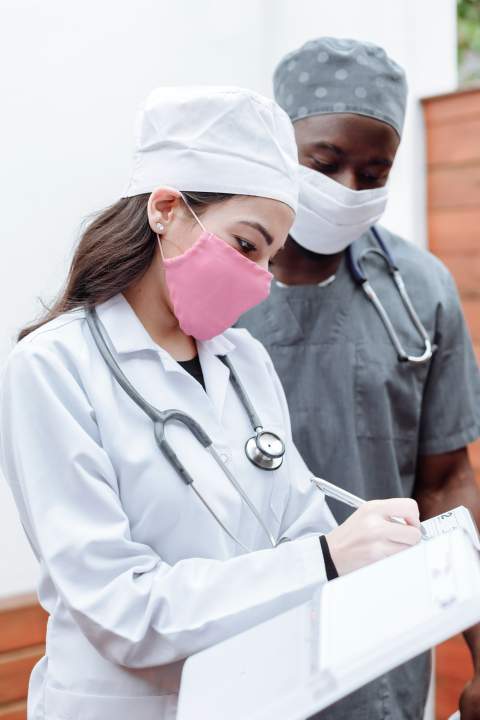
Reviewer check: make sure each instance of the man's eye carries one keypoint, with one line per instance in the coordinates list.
(324, 167)
(244, 245)
(372, 178)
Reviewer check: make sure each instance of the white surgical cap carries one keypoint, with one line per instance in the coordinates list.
(215, 139)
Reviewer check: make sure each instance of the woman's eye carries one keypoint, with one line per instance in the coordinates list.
(245, 246)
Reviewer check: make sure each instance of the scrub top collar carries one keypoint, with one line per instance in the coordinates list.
(128, 335)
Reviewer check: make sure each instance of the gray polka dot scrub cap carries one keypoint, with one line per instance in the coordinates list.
(329, 75)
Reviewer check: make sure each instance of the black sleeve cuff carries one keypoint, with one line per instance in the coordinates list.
(330, 568)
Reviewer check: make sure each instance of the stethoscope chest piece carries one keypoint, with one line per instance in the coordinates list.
(265, 450)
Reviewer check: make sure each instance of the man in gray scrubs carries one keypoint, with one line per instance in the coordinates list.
(363, 416)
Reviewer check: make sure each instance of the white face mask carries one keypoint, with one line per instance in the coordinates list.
(331, 216)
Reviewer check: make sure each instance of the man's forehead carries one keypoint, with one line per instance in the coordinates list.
(341, 129)
(357, 137)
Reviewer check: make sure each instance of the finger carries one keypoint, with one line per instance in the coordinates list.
(400, 507)
(403, 534)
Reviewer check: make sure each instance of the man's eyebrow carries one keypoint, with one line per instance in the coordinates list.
(261, 229)
(321, 145)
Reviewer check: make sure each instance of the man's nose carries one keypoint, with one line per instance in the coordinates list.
(347, 178)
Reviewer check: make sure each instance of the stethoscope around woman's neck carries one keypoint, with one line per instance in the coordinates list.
(265, 449)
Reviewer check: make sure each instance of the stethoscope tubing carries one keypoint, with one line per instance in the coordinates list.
(359, 276)
(161, 418)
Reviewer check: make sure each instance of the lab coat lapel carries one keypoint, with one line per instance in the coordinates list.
(216, 374)
(127, 334)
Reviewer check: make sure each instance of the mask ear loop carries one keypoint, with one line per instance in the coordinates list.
(194, 215)
(193, 212)
(160, 246)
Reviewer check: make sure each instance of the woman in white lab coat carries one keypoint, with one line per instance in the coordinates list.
(136, 573)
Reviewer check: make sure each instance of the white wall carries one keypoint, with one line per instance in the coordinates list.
(72, 76)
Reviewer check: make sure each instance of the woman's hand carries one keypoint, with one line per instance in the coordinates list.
(370, 534)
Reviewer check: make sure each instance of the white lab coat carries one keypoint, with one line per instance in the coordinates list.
(135, 573)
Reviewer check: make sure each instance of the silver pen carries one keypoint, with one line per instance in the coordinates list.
(338, 493)
(348, 498)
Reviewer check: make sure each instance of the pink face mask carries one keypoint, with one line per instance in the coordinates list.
(212, 284)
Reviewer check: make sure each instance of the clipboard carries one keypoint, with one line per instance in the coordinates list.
(304, 660)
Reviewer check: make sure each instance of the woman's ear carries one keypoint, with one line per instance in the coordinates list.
(161, 205)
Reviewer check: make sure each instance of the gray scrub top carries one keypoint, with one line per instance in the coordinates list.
(360, 418)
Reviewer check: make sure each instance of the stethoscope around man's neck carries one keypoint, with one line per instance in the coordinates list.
(265, 449)
(355, 265)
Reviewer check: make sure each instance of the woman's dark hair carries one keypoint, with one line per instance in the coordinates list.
(115, 250)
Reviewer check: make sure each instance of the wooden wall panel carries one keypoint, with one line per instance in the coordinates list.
(472, 315)
(461, 145)
(453, 669)
(453, 180)
(449, 109)
(474, 452)
(452, 186)
(22, 623)
(453, 231)
(22, 636)
(466, 271)
(15, 669)
(14, 711)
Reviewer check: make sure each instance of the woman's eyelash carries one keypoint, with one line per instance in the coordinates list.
(245, 246)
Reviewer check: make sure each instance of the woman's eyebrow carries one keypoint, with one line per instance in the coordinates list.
(261, 229)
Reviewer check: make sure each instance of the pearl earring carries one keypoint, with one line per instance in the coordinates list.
(160, 227)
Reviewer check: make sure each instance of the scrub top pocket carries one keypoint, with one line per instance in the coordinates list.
(388, 393)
